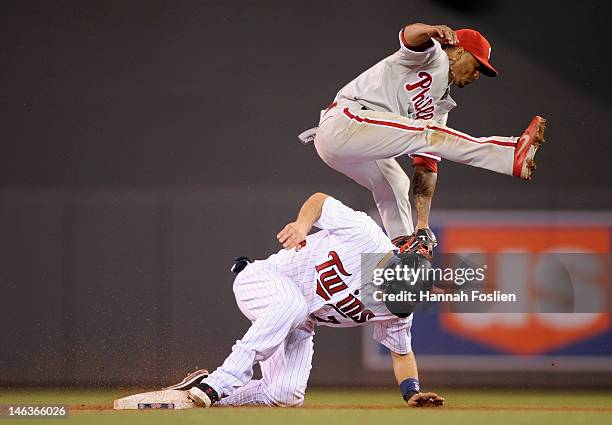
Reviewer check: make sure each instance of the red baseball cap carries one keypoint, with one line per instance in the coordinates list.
(475, 43)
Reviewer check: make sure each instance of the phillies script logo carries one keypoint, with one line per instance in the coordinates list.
(330, 282)
(421, 100)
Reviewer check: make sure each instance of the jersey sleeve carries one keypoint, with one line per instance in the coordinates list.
(428, 161)
(412, 57)
(337, 216)
(395, 334)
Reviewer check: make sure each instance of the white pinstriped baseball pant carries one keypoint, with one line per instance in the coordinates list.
(362, 144)
(280, 339)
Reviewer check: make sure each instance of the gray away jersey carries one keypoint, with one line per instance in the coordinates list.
(408, 83)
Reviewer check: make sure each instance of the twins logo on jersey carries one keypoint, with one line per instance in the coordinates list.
(354, 309)
(330, 282)
(422, 100)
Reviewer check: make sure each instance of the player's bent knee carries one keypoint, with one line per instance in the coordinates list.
(289, 400)
(292, 403)
(284, 394)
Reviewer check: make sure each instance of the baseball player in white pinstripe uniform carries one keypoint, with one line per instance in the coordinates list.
(315, 280)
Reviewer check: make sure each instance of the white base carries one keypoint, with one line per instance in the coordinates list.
(178, 398)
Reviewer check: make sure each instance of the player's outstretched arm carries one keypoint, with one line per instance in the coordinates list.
(406, 374)
(294, 233)
(417, 36)
(423, 188)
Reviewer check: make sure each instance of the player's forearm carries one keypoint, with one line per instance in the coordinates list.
(405, 369)
(416, 35)
(293, 235)
(424, 185)
(312, 209)
(404, 366)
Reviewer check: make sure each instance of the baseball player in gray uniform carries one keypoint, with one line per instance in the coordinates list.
(316, 280)
(400, 107)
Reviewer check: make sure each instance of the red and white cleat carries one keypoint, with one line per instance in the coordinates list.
(526, 147)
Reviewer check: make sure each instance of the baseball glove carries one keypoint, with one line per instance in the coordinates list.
(425, 400)
(422, 242)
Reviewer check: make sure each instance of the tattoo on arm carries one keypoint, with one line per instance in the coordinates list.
(424, 186)
(420, 184)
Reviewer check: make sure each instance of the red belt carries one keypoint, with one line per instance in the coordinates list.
(334, 104)
(330, 106)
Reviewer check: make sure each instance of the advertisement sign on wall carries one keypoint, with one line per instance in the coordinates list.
(528, 339)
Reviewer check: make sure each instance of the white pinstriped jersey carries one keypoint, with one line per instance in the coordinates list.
(285, 294)
(408, 83)
(328, 272)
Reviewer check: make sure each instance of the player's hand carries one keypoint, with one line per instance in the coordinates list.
(293, 235)
(423, 241)
(443, 34)
(425, 400)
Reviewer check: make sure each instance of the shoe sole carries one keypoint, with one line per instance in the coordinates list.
(529, 163)
(199, 397)
(189, 380)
